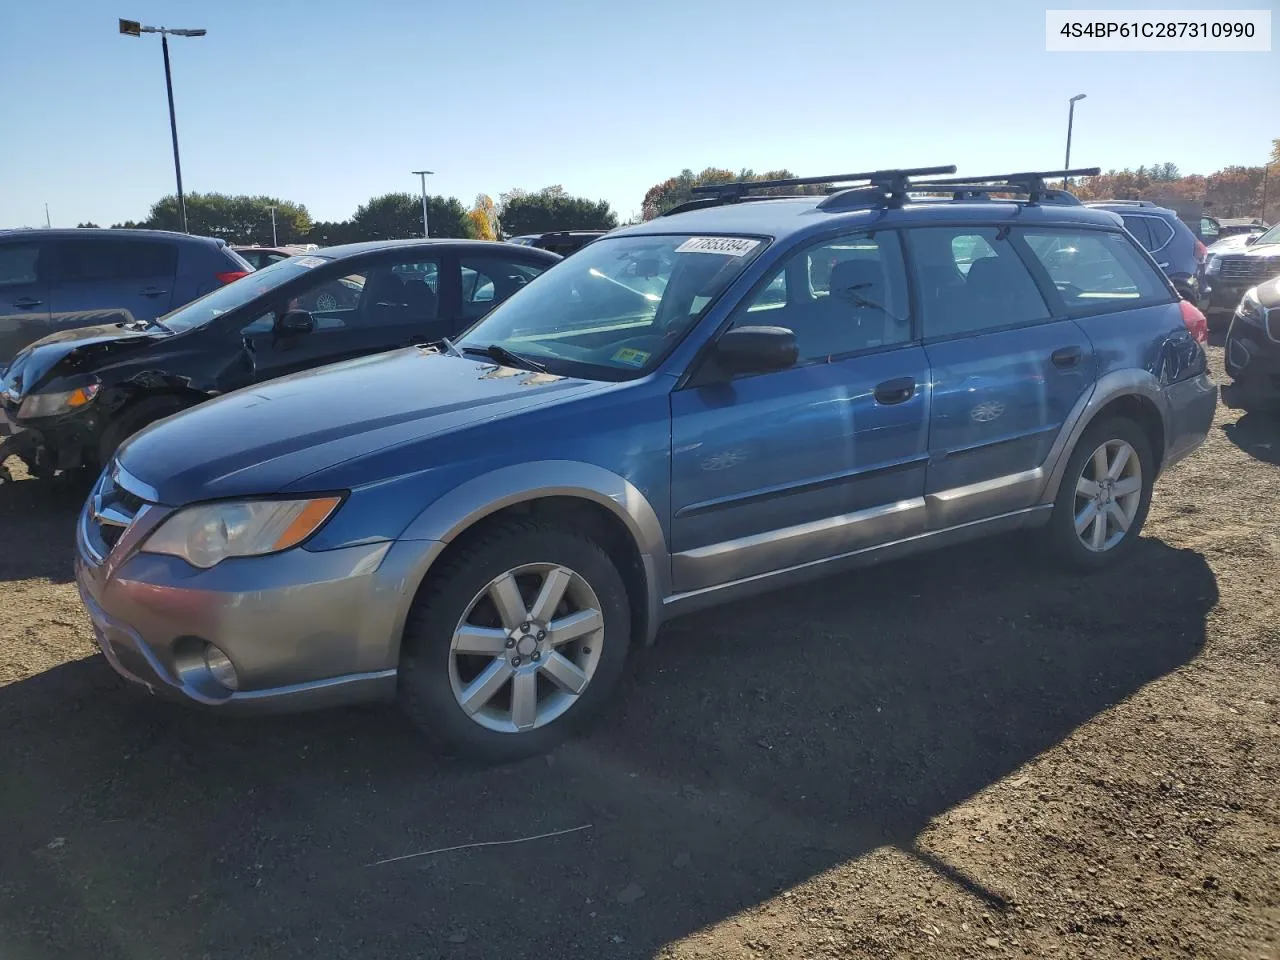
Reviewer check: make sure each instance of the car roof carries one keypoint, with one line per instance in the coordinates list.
(784, 217)
(374, 246)
(63, 233)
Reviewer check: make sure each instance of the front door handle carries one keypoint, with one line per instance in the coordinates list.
(1066, 357)
(27, 302)
(895, 391)
(153, 292)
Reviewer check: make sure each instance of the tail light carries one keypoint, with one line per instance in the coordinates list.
(1195, 321)
(228, 276)
(1201, 250)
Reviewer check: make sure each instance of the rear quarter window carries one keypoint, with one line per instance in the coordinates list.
(111, 259)
(1096, 271)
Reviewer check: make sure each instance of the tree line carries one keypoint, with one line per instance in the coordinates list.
(392, 216)
(1234, 191)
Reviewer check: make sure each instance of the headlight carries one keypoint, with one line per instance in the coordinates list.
(206, 535)
(1250, 309)
(1213, 264)
(57, 401)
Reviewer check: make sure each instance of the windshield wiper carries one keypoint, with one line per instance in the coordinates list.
(496, 351)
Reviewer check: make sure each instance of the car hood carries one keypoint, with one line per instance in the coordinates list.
(261, 439)
(1256, 250)
(88, 345)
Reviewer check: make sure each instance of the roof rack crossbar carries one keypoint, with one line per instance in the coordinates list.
(1031, 182)
(737, 188)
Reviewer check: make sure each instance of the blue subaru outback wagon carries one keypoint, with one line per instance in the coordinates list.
(742, 394)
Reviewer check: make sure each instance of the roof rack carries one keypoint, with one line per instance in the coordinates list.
(1127, 203)
(1031, 182)
(891, 184)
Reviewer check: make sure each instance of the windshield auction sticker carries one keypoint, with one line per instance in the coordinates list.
(308, 261)
(724, 246)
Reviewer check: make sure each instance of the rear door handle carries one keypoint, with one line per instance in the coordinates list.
(895, 391)
(27, 302)
(153, 292)
(1066, 357)
(1162, 265)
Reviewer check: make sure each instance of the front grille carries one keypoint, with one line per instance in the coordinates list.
(112, 509)
(1250, 269)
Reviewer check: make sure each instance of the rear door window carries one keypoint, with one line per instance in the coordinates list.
(18, 263)
(1161, 233)
(1138, 227)
(1096, 271)
(90, 260)
(971, 280)
(488, 280)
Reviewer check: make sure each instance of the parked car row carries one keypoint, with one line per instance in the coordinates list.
(732, 397)
(52, 281)
(75, 396)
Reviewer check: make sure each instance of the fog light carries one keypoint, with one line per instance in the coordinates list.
(220, 667)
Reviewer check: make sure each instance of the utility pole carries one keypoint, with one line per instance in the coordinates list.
(132, 28)
(49, 223)
(423, 174)
(274, 241)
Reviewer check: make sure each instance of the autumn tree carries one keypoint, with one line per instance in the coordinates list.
(483, 218)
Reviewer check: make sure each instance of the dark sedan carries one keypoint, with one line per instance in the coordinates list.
(75, 396)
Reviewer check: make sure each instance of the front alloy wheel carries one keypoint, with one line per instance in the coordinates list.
(518, 636)
(1108, 495)
(526, 648)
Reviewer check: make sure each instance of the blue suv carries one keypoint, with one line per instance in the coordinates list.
(742, 394)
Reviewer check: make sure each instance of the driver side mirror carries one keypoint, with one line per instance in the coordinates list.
(762, 349)
(1251, 239)
(294, 322)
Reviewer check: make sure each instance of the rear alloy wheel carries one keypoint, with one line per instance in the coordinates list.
(1108, 494)
(1103, 499)
(513, 641)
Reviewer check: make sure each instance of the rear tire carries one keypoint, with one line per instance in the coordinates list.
(464, 651)
(1107, 481)
(132, 419)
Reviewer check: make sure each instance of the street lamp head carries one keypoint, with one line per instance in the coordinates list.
(422, 173)
(188, 33)
(1078, 96)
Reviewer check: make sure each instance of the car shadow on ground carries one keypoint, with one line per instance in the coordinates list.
(753, 748)
(1257, 433)
(37, 526)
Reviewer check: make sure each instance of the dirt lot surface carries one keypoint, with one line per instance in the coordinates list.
(951, 756)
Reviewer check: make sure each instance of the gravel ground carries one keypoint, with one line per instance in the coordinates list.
(951, 756)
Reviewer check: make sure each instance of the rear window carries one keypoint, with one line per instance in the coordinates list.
(1096, 271)
(1138, 227)
(110, 259)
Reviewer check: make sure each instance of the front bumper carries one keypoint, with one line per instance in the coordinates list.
(303, 629)
(1224, 296)
(1252, 360)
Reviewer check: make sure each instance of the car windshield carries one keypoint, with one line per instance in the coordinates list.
(237, 293)
(1271, 236)
(617, 307)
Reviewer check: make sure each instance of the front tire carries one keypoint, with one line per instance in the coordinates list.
(512, 644)
(131, 420)
(1104, 496)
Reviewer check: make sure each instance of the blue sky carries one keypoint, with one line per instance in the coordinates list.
(328, 103)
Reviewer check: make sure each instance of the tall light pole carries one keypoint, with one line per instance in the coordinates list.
(1071, 116)
(274, 241)
(132, 28)
(423, 174)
